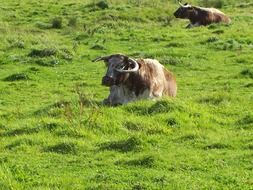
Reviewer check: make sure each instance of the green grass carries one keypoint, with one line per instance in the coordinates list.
(56, 134)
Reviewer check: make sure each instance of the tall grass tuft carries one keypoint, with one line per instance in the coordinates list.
(56, 23)
(72, 22)
(16, 77)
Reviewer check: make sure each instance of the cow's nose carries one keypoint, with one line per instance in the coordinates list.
(107, 81)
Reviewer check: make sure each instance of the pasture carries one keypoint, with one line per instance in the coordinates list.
(55, 134)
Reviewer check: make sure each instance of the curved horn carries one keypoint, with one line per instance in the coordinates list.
(136, 67)
(180, 4)
(100, 59)
(185, 5)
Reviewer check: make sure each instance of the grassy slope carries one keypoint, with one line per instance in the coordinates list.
(56, 135)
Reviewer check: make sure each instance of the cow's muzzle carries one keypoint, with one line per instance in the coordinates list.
(107, 81)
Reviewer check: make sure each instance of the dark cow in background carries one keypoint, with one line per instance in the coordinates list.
(200, 16)
(131, 79)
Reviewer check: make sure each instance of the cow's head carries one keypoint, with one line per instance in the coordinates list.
(184, 11)
(118, 68)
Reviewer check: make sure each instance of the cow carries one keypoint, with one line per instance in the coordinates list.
(130, 79)
(200, 16)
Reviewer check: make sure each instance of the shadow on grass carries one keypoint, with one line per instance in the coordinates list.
(63, 148)
(131, 126)
(172, 122)
(217, 146)
(97, 6)
(146, 128)
(249, 85)
(186, 138)
(247, 73)
(158, 107)
(3, 127)
(19, 143)
(130, 144)
(250, 146)
(245, 123)
(20, 131)
(16, 77)
(42, 52)
(31, 130)
(146, 161)
(215, 99)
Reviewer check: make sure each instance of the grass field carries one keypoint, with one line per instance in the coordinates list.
(55, 134)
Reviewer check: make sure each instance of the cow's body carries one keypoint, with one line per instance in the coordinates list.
(201, 16)
(150, 81)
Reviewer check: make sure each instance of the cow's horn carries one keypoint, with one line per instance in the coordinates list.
(180, 4)
(100, 59)
(136, 67)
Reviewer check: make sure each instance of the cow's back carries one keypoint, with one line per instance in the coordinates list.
(208, 16)
(219, 16)
(162, 81)
(171, 85)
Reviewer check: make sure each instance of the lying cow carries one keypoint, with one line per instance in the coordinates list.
(200, 16)
(131, 79)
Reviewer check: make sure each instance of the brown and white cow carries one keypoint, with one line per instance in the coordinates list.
(200, 16)
(130, 80)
